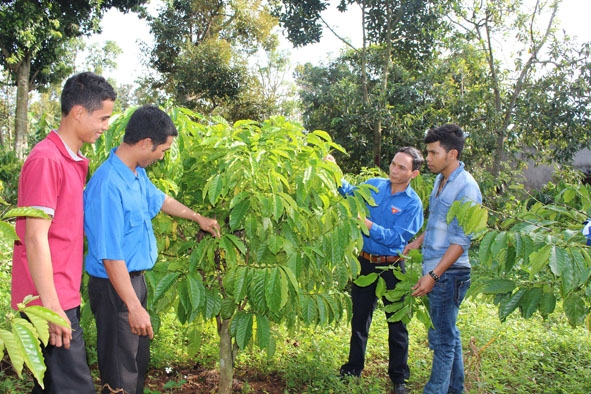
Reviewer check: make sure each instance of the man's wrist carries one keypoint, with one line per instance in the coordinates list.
(434, 276)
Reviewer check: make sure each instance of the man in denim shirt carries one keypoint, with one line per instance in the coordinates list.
(446, 267)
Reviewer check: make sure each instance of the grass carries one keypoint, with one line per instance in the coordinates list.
(518, 356)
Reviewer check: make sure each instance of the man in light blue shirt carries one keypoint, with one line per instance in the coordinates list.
(446, 268)
(395, 218)
(119, 204)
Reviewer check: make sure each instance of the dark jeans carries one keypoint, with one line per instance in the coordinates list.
(123, 357)
(364, 303)
(67, 369)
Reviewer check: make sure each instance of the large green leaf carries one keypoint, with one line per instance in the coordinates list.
(309, 311)
(366, 280)
(485, 246)
(539, 259)
(559, 260)
(213, 304)
(196, 291)
(238, 213)
(25, 211)
(256, 292)
(24, 332)
(322, 312)
(7, 232)
(276, 289)
(547, 303)
(380, 287)
(214, 188)
(498, 286)
(194, 341)
(241, 328)
(15, 353)
(165, 284)
(530, 302)
(43, 313)
(575, 310)
(263, 331)
(510, 303)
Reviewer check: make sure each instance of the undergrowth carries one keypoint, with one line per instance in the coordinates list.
(517, 357)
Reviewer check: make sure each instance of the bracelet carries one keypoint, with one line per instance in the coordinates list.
(434, 275)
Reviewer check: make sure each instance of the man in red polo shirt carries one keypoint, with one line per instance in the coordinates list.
(47, 260)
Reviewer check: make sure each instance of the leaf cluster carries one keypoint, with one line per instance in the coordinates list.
(536, 257)
(24, 330)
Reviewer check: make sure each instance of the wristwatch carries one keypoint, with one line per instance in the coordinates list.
(434, 275)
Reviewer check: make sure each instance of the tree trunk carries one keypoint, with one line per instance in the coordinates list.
(226, 357)
(377, 132)
(22, 108)
(377, 143)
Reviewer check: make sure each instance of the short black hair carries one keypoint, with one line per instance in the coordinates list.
(417, 157)
(149, 121)
(450, 136)
(88, 90)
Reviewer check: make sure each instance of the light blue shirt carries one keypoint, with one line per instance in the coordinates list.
(118, 210)
(396, 217)
(460, 186)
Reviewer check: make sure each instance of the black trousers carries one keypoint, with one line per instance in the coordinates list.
(67, 369)
(364, 303)
(123, 357)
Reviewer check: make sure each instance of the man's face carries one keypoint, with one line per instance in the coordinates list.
(151, 153)
(437, 158)
(401, 171)
(93, 124)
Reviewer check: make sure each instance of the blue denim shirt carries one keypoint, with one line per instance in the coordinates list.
(438, 234)
(118, 210)
(396, 217)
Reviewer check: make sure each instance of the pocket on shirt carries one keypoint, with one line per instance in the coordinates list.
(135, 221)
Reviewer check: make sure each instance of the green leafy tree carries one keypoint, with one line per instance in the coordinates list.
(35, 45)
(289, 240)
(534, 257)
(201, 50)
(403, 30)
(331, 101)
(532, 97)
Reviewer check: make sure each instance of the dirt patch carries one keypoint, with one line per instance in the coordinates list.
(197, 379)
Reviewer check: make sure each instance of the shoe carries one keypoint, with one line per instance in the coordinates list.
(400, 388)
(348, 373)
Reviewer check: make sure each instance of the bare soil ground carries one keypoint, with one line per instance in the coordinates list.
(196, 379)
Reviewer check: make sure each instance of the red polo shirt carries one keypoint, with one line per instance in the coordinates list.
(53, 178)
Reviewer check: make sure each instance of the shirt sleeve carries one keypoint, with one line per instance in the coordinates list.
(40, 182)
(346, 189)
(154, 196)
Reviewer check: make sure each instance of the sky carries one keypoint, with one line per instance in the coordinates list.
(126, 30)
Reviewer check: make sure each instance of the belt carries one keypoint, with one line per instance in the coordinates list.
(372, 258)
(135, 274)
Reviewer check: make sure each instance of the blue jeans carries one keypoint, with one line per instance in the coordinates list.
(447, 372)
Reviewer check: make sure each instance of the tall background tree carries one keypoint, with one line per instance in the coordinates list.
(202, 48)
(402, 32)
(34, 45)
(530, 97)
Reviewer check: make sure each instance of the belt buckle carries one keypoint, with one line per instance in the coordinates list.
(378, 259)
